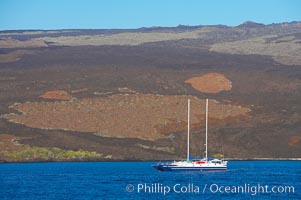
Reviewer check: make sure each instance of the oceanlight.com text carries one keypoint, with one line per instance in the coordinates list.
(250, 189)
(192, 188)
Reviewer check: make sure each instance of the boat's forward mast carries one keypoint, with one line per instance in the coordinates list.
(206, 153)
(188, 127)
(188, 130)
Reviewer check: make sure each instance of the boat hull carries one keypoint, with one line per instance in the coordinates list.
(160, 167)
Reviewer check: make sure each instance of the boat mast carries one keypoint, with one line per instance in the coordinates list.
(206, 129)
(188, 127)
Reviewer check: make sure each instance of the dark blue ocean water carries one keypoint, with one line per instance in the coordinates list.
(138, 180)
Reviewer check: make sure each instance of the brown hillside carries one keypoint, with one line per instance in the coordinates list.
(144, 116)
(14, 56)
(12, 43)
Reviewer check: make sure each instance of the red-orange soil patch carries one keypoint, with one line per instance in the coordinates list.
(294, 140)
(57, 95)
(144, 116)
(210, 83)
(126, 90)
(79, 90)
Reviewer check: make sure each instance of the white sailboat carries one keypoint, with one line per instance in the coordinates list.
(204, 164)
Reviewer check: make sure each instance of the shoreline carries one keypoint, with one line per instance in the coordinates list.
(72, 161)
(263, 159)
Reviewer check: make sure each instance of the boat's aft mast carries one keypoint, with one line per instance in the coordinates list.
(206, 130)
(188, 127)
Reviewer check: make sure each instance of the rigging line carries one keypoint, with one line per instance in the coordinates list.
(181, 119)
(221, 136)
